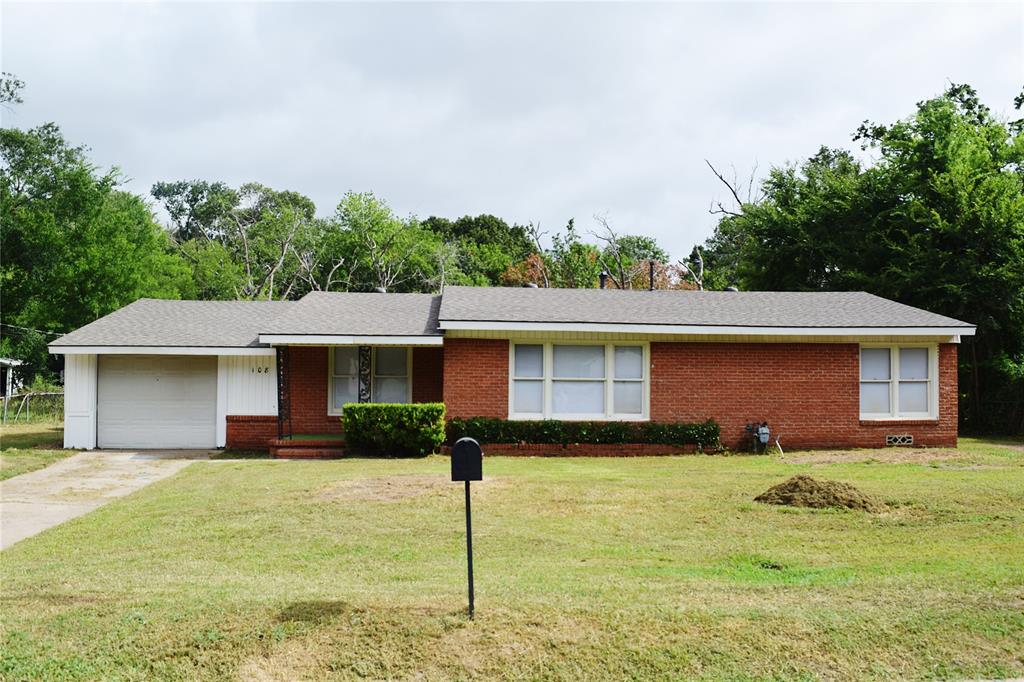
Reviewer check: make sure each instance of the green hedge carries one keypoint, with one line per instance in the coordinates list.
(552, 432)
(393, 430)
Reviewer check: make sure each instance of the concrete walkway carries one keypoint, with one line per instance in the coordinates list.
(33, 502)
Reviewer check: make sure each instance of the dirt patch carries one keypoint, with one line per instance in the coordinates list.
(886, 456)
(804, 491)
(386, 488)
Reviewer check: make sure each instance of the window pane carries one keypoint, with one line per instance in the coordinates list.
(874, 398)
(529, 361)
(629, 397)
(391, 362)
(913, 396)
(390, 390)
(346, 390)
(346, 361)
(579, 362)
(577, 397)
(913, 363)
(528, 397)
(874, 363)
(629, 362)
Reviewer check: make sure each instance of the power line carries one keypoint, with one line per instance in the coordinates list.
(30, 329)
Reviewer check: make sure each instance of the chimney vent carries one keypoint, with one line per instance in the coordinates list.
(603, 277)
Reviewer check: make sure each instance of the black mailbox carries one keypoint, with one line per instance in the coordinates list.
(467, 460)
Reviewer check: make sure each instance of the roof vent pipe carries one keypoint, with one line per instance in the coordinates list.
(530, 285)
(603, 277)
(731, 288)
(380, 290)
(650, 266)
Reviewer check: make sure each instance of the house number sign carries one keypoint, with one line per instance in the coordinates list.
(259, 370)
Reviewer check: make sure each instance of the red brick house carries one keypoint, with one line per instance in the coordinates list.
(824, 369)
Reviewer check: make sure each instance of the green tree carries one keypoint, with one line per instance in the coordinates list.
(74, 246)
(485, 246)
(197, 209)
(937, 221)
(380, 249)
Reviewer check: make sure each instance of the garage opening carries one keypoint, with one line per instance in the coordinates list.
(156, 401)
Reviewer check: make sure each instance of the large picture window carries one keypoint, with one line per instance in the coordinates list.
(578, 381)
(898, 382)
(390, 376)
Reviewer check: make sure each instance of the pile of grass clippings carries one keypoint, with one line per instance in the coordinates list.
(804, 491)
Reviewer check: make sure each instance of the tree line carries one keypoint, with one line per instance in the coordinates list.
(934, 218)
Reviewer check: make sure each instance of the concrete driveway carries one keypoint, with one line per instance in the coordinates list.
(33, 502)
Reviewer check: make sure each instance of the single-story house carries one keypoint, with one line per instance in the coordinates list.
(823, 369)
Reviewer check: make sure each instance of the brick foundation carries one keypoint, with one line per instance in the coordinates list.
(250, 432)
(581, 450)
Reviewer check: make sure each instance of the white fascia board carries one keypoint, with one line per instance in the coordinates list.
(701, 329)
(348, 340)
(159, 350)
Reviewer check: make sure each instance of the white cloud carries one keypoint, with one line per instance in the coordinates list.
(528, 111)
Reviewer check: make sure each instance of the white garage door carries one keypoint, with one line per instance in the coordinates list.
(156, 401)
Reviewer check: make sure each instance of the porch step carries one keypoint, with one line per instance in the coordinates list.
(321, 448)
(306, 453)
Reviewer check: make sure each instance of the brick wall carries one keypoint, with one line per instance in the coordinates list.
(250, 432)
(808, 393)
(427, 375)
(308, 382)
(476, 377)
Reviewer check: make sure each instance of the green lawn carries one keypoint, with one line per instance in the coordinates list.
(27, 447)
(639, 568)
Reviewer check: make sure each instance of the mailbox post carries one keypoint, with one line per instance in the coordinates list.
(467, 465)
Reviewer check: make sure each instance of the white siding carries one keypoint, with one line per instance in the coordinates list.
(80, 401)
(246, 385)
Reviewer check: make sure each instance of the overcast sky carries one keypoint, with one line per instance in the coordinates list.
(532, 112)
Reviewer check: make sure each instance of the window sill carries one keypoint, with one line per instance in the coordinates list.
(897, 421)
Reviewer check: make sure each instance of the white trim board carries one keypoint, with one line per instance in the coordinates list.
(158, 350)
(700, 329)
(349, 340)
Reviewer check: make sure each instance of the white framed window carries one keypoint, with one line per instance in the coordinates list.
(899, 382)
(390, 376)
(578, 381)
(343, 386)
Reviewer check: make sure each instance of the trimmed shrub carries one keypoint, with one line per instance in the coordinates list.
(554, 432)
(394, 430)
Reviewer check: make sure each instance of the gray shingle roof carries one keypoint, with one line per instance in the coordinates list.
(365, 314)
(152, 322)
(703, 308)
(238, 324)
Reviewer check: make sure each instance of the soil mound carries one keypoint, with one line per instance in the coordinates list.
(804, 491)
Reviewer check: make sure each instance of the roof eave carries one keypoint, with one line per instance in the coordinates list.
(351, 339)
(630, 328)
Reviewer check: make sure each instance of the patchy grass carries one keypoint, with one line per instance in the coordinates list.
(29, 446)
(639, 568)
